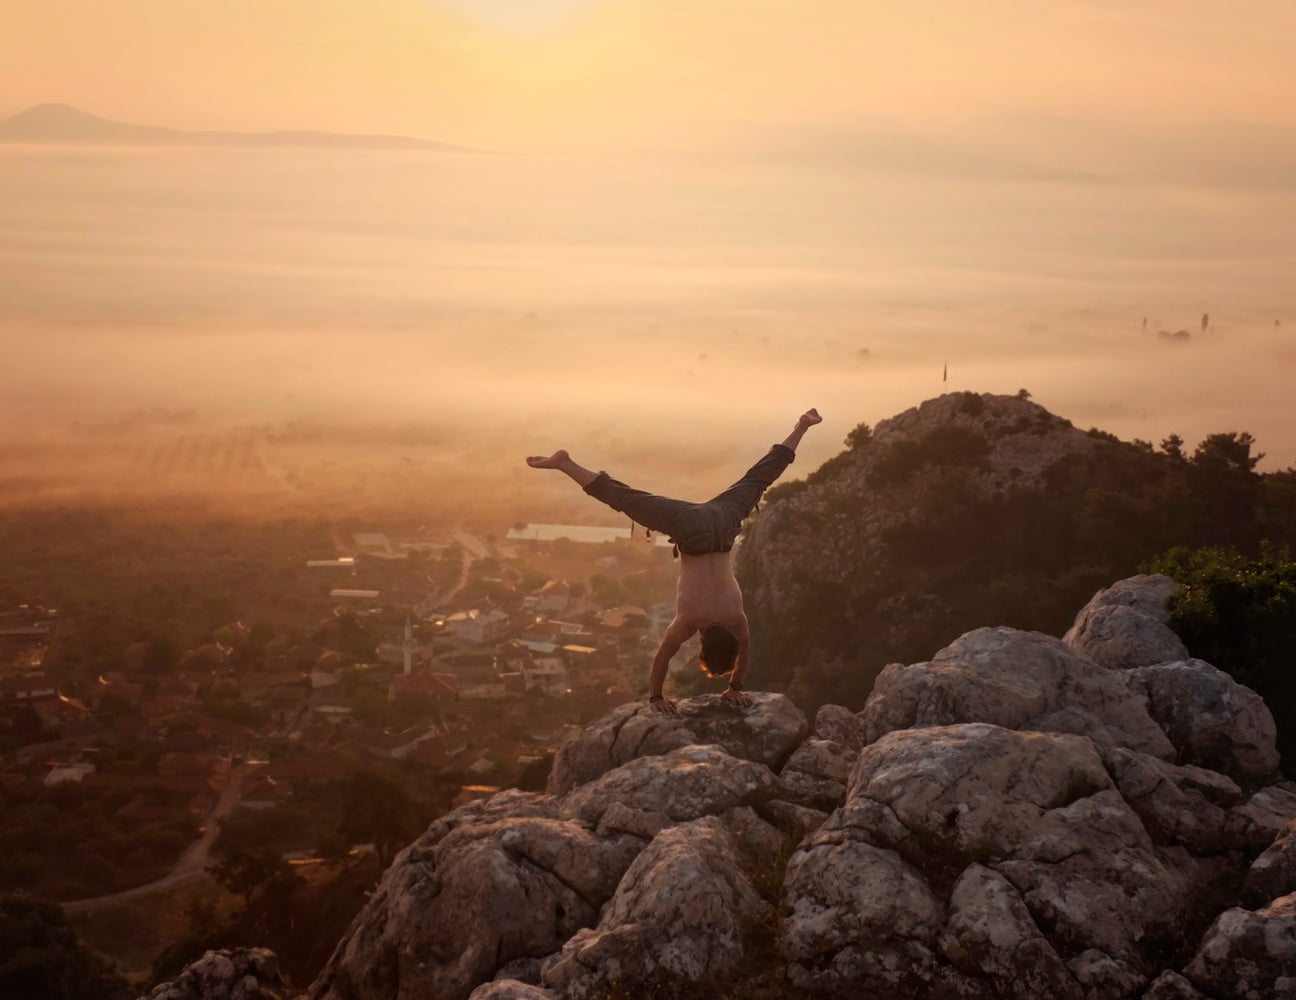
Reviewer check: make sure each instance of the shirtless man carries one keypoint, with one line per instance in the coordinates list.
(707, 598)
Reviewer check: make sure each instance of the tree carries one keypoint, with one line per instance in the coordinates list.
(860, 436)
(249, 870)
(244, 865)
(1227, 452)
(1173, 446)
(378, 810)
(41, 957)
(1239, 613)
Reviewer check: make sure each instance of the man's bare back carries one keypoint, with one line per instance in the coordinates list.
(707, 593)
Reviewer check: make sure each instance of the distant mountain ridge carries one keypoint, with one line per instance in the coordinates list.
(64, 124)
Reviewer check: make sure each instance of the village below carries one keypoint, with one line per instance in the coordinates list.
(441, 670)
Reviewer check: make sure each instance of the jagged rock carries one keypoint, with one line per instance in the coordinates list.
(683, 784)
(510, 989)
(990, 933)
(839, 724)
(1273, 874)
(1118, 637)
(1249, 955)
(817, 772)
(858, 916)
(1257, 822)
(237, 974)
(766, 732)
(1178, 805)
(1103, 976)
(1172, 986)
(1011, 679)
(1039, 809)
(1212, 720)
(1090, 874)
(488, 883)
(684, 911)
(1011, 821)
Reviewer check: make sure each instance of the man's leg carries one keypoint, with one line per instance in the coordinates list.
(652, 511)
(741, 497)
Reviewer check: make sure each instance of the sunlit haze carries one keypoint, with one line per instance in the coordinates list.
(670, 227)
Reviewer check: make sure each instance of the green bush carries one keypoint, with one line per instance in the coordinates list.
(1238, 612)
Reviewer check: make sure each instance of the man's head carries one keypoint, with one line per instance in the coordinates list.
(719, 650)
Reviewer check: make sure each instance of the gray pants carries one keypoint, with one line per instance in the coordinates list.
(696, 528)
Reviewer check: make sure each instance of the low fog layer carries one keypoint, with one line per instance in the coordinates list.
(357, 325)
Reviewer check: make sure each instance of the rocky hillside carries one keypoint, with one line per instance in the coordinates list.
(964, 511)
(1021, 816)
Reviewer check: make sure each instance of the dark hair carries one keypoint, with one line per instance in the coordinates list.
(719, 650)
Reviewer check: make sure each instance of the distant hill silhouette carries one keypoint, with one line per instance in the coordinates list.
(63, 124)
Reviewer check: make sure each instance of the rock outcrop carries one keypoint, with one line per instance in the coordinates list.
(237, 974)
(1013, 818)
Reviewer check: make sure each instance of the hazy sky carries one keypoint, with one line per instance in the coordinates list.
(712, 214)
(557, 73)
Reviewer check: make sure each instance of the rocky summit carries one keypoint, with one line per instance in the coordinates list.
(1021, 816)
(974, 509)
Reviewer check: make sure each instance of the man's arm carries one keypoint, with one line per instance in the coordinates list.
(734, 693)
(803, 424)
(676, 634)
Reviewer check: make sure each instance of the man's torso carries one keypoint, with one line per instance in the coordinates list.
(707, 591)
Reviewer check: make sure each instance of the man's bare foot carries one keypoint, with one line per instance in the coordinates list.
(810, 418)
(554, 461)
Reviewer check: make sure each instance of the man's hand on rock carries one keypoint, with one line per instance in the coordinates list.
(663, 706)
(737, 698)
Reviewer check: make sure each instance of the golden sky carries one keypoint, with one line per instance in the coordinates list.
(536, 74)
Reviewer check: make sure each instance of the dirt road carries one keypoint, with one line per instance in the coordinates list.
(192, 862)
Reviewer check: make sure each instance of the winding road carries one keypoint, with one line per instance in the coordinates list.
(192, 862)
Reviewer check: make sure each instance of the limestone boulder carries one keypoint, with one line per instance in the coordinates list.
(1011, 679)
(681, 785)
(1187, 806)
(766, 732)
(1249, 955)
(990, 933)
(817, 772)
(859, 916)
(1125, 625)
(1118, 637)
(491, 882)
(1212, 720)
(839, 724)
(1148, 594)
(684, 911)
(1027, 837)
(234, 974)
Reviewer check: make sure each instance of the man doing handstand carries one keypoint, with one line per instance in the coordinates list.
(707, 597)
